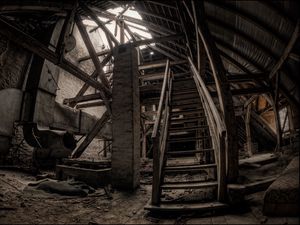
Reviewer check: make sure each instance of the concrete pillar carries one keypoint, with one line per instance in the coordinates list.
(125, 119)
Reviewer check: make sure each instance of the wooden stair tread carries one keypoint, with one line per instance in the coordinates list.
(189, 151)
(189, 167)
(175, 92)
(201, 126)
(188, 119)
(190, 185)
(171, 140)
(180, 207)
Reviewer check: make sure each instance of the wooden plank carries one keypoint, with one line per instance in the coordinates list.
(181, 207)
(248, 131)
(104, 52)
(157, 64)
(89, 105)
(89, 45)
(190, 185)
(91, 135)
(83, 98)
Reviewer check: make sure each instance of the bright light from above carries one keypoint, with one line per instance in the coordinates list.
(151, 53)
(140, 30)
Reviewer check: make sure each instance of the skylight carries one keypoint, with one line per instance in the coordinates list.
(140, 30)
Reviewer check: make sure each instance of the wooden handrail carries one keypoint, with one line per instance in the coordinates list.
(161, 100)
(160, 135)
(217, 128)
(219, 122)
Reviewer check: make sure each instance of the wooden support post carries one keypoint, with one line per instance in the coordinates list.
(91, 135)
(197, 36)
(248, 130)
(122, 32)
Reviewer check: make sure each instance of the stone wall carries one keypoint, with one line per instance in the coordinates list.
(12, 64)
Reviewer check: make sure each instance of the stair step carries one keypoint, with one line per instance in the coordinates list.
(189, 151)
(183, 79)
(181, 129)
(188, 104)
(195, 98)
(190, 185)
(175, 92)
(187, 112)
(187, 182)
(186, 207)
(187, 139)
(189, 168)
(177, 89)
(189, 119)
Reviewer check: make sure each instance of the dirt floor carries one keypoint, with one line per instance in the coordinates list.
(18, 206)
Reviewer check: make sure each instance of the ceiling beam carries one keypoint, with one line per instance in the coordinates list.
(20, 38)
(286, 51)
(158, 39)
(172, 20)
(238, 53)
(234, 62)
(249, 18)
(233, 30)
(158, 64)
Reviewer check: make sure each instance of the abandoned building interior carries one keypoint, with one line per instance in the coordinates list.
(163, 112)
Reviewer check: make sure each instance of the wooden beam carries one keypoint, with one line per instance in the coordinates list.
(65, 32)
(31, 6)
(91, 135)
(94, 75)
(243, 78)
(164, 4)
(89, 45)
(244, 36)
(158, 39)
(248, 131)
(245, 15)
(82, 98)
(104, 52)
(91, 104)
(149, 25)
(197, 36)
(239, 53)
(99, 22)
(157, 64)
(234, 62)
(20, 38)
(168, 19)
(286, 51)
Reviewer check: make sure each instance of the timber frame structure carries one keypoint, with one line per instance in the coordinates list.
(235, 55)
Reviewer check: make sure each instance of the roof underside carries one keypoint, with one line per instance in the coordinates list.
(251, 35)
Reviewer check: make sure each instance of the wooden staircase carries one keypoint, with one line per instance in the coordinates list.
(185, 169)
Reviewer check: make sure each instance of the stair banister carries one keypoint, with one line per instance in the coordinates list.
(159, 135)
(217, 127)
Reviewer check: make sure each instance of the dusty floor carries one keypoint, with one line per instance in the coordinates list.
(18, 206)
